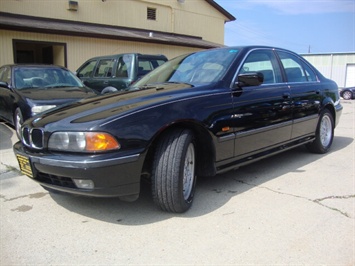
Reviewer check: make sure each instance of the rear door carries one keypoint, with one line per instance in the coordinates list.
(262, 114)
(305, 93)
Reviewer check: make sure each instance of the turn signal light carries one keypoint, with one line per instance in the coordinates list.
(100, 142)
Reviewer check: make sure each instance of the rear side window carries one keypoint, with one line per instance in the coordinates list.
(88, 69)
(124, 66)
(293, 68)
(263, 61)
(309, 73)
(146, 65)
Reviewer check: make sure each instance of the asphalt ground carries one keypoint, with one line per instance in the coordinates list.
(293, 208)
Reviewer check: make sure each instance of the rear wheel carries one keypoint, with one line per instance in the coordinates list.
(18, 120)
(173, 175)
(347, 95)
(324, 133)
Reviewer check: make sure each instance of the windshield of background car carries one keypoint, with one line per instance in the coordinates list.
(197, 68)
(32, 77)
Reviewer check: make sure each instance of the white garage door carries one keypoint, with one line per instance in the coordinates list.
(350, 75)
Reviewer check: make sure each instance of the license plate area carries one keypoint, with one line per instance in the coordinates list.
(25, 165)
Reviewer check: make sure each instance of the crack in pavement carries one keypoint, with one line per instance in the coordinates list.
(317, 201)
(9, 168)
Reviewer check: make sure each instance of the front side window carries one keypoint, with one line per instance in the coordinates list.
(88, 69)
(263, 61)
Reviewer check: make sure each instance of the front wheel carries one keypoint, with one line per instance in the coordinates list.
(173, 175)
(324, 134)
(108, 90)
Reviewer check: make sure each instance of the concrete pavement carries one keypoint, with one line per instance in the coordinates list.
(293, 208)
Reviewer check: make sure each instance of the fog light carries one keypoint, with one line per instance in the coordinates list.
(84, 183)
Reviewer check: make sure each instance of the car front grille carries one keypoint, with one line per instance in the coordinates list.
(33, 137)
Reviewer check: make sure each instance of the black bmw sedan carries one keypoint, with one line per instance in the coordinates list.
(200, 114)
(27, 90)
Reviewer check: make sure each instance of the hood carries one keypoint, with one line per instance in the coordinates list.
(55, 95)
(115, 105)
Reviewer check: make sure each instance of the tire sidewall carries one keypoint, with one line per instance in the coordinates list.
(168, 171)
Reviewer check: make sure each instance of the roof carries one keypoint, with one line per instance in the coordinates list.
(221, 10)
(17, 22)
(328, 53)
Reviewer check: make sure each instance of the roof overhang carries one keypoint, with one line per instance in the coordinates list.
(228, 15)
(23, 23)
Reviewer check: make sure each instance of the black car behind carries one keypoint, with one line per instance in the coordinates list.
(27, 90)
(347, 93)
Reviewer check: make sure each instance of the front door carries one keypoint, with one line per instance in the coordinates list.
(262, 114)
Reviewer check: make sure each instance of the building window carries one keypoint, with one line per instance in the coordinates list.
(151, 13)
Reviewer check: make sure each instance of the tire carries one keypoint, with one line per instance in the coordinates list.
(173, 173)
(347, 95)
(324, 134)
(18, 121)
(108, 90)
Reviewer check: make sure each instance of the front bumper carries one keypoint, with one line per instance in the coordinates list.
(111, 176)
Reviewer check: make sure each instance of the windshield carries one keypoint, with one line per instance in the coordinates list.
(197, 68)
(51, 77)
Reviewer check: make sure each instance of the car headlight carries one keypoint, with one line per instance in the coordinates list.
(82, 142)
(41, 108)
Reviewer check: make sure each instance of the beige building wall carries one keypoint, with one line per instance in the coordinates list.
(193, 17)
(79, 49)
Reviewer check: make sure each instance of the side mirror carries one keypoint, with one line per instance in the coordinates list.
(4, 85)
(250, 79)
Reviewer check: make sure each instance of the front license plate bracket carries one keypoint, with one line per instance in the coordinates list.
(25, 165)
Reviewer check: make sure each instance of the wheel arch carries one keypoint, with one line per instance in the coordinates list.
(205, 149)
(329, 105)
(13, 109)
